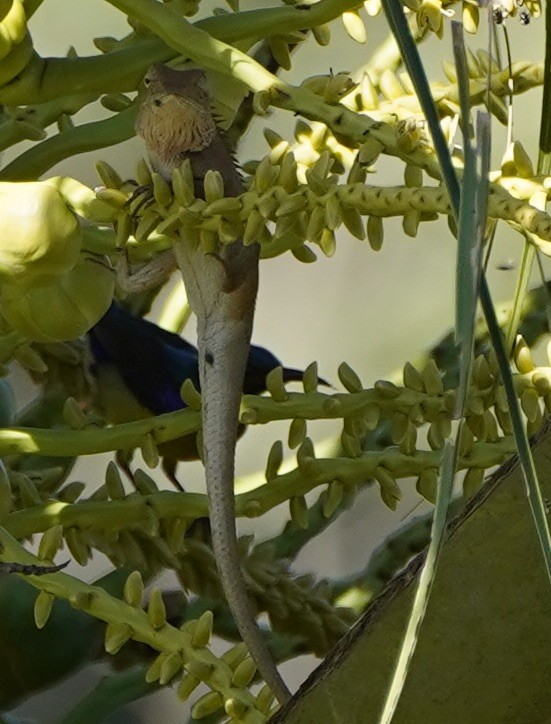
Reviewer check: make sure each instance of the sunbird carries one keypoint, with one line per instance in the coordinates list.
(140, 367)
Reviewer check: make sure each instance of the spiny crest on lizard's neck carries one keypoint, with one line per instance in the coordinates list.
(174, 116)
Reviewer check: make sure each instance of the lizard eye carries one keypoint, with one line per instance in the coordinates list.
(146, 81)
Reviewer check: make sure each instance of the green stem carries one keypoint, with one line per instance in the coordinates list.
(135, 512)
(87, 137)
(122, 69)
(41, 116)
(93, 440)
(98, 603)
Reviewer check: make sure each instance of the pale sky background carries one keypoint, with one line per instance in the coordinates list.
(374, 310)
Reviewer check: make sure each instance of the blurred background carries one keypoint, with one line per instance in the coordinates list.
(373, 309)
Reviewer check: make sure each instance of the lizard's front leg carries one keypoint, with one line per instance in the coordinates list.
(148, 276)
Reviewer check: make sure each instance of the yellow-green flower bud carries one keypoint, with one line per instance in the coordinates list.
(50, 543)
(297, 433)
(244, 673)
(304, 254)
(265, 699)
(372, 7)
(390, 491)
(72, 491)
(332, 498)
(275, 385)
(201, 669)
(187, 686)
(523, 356)
(322, 34)
(149, 451)
(214, 186)
(353, 221)
(162, 192)
(156, 612)
(530, 403)
(169, 668)
(427, 484)
(408, 444)
(73, 414)
(275, 458)
(280, 51)
(113, 482)
(399, 426)
(154, 671)
(66, 307)
(432, 379)
(328, 242)
(40, 236)
(234, 656)
(349, 379)
(115, 102)
(354, 26)
(27, 491)
(236, 709)
(109, 177)
(390, 85)
(310, 377)
(375, 233)
(202, 631)
(371, 417)
(133, 589)
(298, 510)
(470, 17)
(143, 173)
(43, 608)
(207, 705)
(412, 378)
(116, 635)
(79, 550)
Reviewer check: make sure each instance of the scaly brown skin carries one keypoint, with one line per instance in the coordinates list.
(175, 121)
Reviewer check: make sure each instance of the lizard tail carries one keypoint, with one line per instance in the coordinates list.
(223, 351)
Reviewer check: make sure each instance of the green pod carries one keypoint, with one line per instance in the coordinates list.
(40, 237)
(116, 635)
(202, 631)
(207, 705)
(265, 699)
(14, 21)
(170, 666)
(156, 612)
(244, 673)
(63, 309)
(297, 433)
(275, 458)
(236, 709)
(234, 656)
(187, 686)
(43, 608)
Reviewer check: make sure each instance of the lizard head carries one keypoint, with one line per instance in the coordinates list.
(174, 115)
(190, 83)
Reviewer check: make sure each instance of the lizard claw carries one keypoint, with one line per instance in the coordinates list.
(141, 197)
(31, 569)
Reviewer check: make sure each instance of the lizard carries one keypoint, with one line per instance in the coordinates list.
(176, 123)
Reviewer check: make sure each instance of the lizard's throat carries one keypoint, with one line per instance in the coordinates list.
(175, 127)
